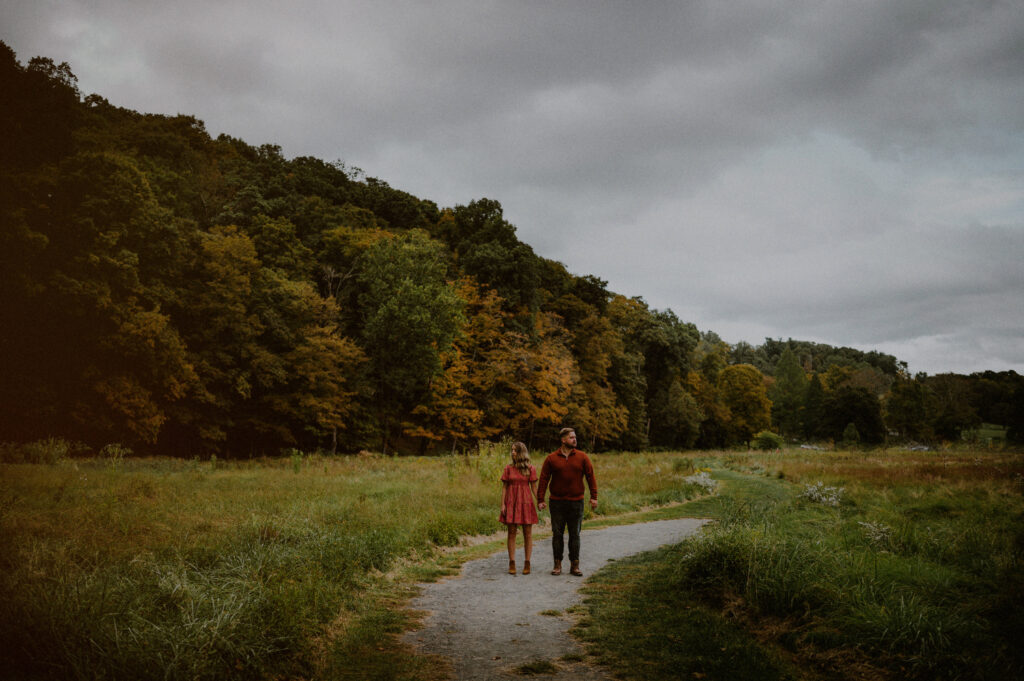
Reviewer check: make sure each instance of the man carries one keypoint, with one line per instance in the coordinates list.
(565, 468)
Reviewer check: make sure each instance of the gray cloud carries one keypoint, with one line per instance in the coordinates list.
(843, 172)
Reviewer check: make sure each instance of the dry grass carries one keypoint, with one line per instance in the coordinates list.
(274, 567)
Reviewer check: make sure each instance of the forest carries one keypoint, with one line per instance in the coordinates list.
(174, 293)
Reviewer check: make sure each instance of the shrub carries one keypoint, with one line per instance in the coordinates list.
(684, 465)
(48, 451)
(851, 437)
(702, 480)
(766, 439)
(115, 453)
(819, 493)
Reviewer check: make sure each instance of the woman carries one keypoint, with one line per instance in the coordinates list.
(519, 490)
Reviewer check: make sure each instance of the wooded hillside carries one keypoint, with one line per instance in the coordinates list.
(191, 295)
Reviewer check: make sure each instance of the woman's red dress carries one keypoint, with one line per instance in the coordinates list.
(519, 502)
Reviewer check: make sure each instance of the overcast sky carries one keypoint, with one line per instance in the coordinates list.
(848, 172)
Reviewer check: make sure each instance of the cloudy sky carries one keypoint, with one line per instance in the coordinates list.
(844, 172)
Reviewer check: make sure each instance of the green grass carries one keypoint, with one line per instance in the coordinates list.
(536, 667)
(916, 573)
(294, 567)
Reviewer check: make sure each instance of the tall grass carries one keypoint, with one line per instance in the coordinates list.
(894, 567)
(118, 567)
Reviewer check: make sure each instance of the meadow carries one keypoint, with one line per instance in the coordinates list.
(837, 565)
(851, 565)
(297, 567)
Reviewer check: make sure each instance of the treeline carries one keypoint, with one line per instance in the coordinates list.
(189, 295)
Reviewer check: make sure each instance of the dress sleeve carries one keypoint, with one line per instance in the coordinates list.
(533, 474)
(505, 475)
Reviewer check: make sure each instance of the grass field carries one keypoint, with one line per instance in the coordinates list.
(838, 565)
(820, 565)
(122, 568)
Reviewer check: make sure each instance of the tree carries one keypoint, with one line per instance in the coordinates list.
(858, 406)
(851, 437)
(954, 412)
(596, 412)
(96, 353)
(744, 394)
(680, 416)
(710, 359)
(814, 409)
(410, 315)
(788, 393)
(1015, 415)
(222, 330)
(486, 247)
(908, 409)
(456, 407)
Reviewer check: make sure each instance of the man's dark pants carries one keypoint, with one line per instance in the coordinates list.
(566, 514)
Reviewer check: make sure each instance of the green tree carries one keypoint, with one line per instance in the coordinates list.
(908, 408)
(710, 358)
(597, 413)
(851, 436)
(954, 411)
(222, 329)
(743, 392)
(814, 406)
(788, 394)
(858, 406)
(410, 315)
(486, 247)
(628, 316)
(680, 416)
(96, 354)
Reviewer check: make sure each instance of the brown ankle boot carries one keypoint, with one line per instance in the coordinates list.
(558, 568)
(511, 567)
(526, 568)
(575, 569)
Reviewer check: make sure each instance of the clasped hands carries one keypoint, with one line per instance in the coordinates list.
(593, 505)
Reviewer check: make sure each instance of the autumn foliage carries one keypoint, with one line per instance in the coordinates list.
(191, 295)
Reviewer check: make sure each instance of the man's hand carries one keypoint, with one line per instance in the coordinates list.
(593, 504)
(542, 505)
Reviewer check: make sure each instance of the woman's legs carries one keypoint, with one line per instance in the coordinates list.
(511, 542)
(528, 541)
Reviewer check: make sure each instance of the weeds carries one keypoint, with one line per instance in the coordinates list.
(703, 481)
(820, 493)
(49, 451)
(872, 578)
(288, 568)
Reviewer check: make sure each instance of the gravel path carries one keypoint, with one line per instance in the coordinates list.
(488, 622)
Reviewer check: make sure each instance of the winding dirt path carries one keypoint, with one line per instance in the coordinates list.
(488, 622)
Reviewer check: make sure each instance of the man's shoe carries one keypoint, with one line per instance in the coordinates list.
(575, 569)
(511, 567)
(526, 568)
(558, 568)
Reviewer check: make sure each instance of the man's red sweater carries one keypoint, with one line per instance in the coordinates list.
(566, 475)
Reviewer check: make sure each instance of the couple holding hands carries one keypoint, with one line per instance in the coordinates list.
(564, 470)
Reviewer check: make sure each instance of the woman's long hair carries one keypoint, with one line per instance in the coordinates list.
(521, 458)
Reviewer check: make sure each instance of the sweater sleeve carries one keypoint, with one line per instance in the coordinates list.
(542, 485)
